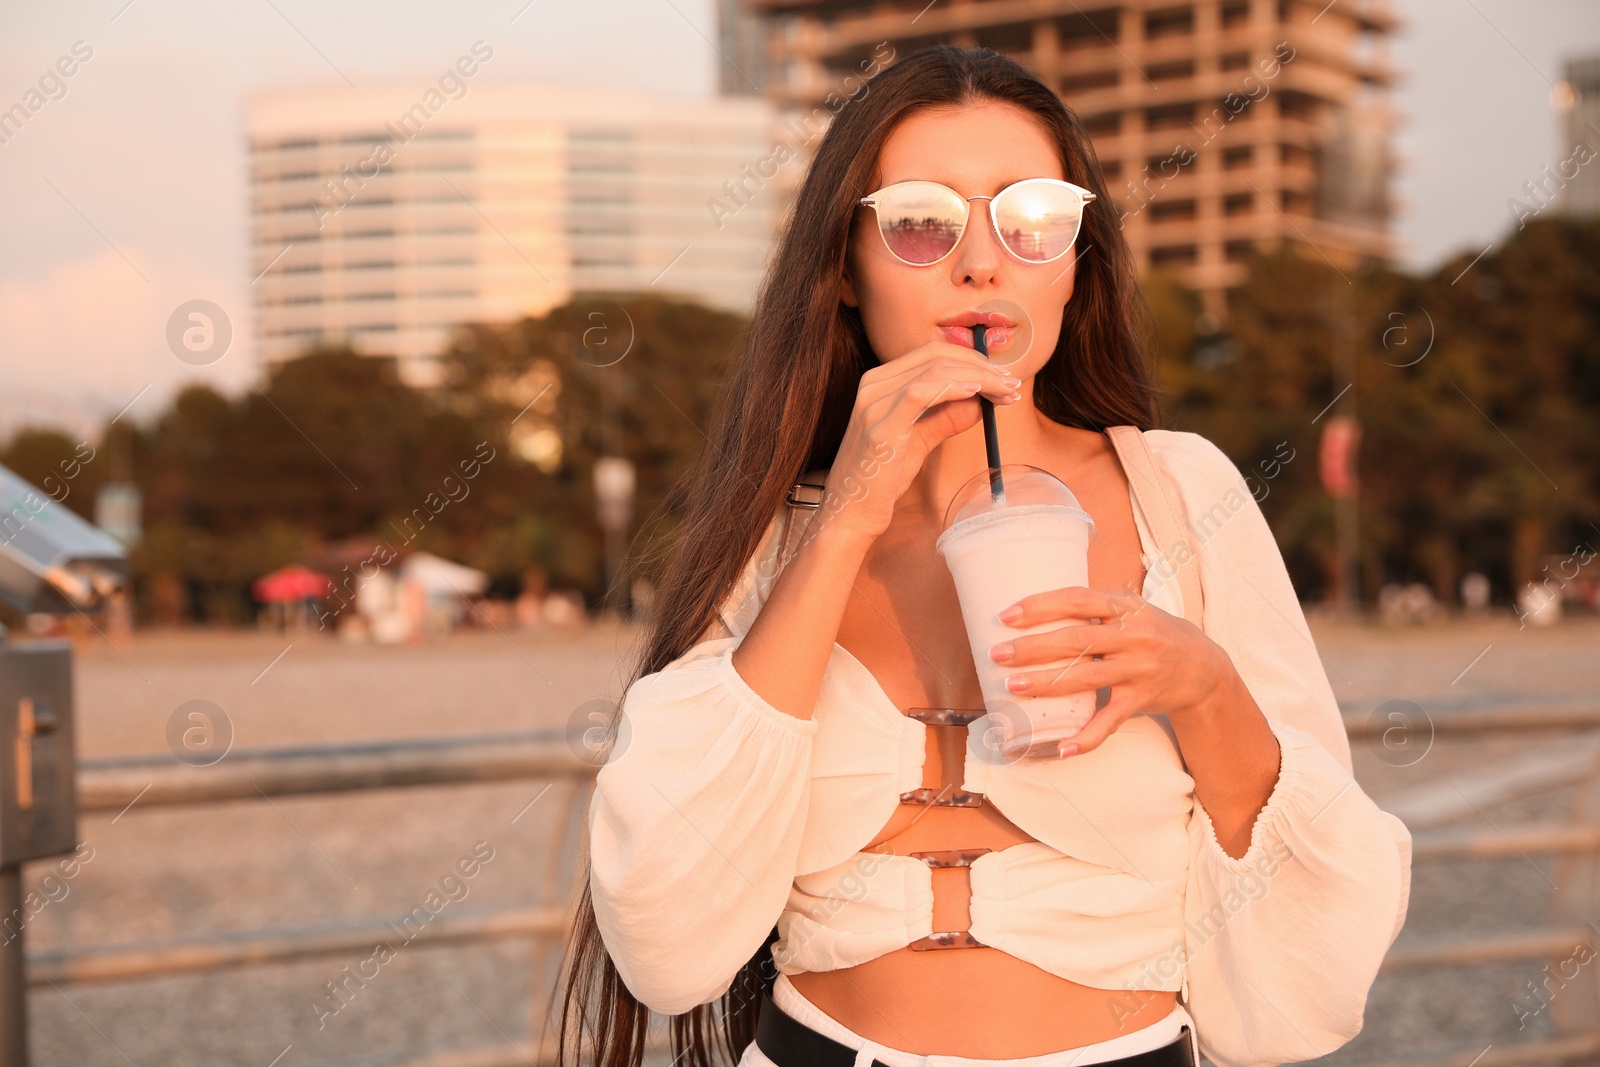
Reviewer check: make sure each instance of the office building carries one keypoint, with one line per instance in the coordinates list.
(384, 217)
(1223, 126)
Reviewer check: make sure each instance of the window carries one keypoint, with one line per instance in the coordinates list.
(1180, 68)
(1238, 203)
(599, 165)
(1099, 79)
(1169, 21)
(1104, 123)
(1173, 255)
(1110, 169)
(1234, 14)
(1294, 105)
(1234, 251)
(1166, 166)
(1165, 210)
(1296, 155)
(1296, 202)
(1236, 157)
(1235, 61)
(1082, 27)
(1014, 37)
(1168, 115)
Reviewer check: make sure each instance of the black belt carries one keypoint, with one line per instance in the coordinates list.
(788, 1042)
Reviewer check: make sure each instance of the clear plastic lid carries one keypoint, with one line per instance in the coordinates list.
(1020, 486)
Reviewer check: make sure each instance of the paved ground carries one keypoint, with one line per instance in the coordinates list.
(161, 873)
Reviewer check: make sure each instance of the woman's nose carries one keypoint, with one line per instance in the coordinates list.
(977, 254)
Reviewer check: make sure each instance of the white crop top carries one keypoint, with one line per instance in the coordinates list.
(719, 815)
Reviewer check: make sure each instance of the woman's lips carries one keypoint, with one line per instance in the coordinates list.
(995, 337)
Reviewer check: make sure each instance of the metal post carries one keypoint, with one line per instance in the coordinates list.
(1346, 594)
(13, 980)
(1349, 523)
(613, 488)
(1577, 882)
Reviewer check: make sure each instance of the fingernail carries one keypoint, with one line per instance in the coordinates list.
(1011, 614)
(972, 386)
(1009, 382)
(1068, 749)
(1014, 396)
(1002, 652)
(1018, 683)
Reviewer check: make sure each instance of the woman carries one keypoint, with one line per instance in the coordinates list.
(802, 802)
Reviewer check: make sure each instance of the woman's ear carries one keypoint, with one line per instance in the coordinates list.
(847, 287)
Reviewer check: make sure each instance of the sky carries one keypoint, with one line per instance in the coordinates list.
(125, 196)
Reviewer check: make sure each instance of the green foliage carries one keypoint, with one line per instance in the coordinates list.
(1478, 395)
(633, 376)
(333, 446)
(1477, 389)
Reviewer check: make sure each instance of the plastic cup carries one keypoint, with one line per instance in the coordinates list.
(1033, 539)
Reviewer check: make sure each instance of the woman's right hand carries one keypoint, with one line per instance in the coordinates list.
(903, 408)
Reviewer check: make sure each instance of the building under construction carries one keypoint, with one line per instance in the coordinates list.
(1223, 126)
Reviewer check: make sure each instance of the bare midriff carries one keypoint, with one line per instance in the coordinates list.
(904, 623)
(977, 1002)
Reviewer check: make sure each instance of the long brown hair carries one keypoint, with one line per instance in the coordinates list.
(775, 421)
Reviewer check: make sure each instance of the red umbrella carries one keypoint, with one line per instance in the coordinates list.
(289, 584)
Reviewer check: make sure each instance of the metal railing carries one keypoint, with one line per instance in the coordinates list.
(1576, 842)
(133, 784)
(130, 784)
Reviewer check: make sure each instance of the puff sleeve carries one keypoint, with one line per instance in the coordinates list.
(1282, 944)
(696, 818)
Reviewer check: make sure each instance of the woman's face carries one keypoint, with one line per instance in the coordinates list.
(976, 149)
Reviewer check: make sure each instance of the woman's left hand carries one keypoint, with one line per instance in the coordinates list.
(1154, 662)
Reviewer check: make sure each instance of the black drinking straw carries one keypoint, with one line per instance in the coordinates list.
(991, 433)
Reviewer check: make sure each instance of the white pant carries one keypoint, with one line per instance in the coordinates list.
(786, 996)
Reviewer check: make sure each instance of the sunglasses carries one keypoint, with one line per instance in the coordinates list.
(1037, 219)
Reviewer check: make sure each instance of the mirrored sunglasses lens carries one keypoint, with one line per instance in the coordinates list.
(1038, 221)
(921, 223)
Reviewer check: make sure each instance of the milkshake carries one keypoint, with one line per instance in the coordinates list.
(1030, 537)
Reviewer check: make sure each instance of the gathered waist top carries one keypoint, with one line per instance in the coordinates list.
(719, 816)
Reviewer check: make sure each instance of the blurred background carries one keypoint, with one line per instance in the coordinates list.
(347, 353)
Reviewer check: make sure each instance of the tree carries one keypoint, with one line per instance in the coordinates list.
(634, 376)
(1478, 393)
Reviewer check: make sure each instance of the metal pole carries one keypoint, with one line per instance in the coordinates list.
(13, 980)
(1346, 525)
(1349, 523)
(1349, 541)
